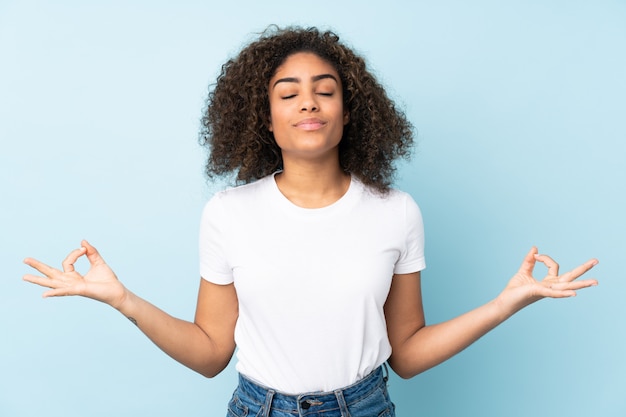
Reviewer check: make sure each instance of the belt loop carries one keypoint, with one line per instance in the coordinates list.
(343, 407)
(385, 373)
(269, 396)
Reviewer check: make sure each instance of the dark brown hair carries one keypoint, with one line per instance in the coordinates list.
(236, 117)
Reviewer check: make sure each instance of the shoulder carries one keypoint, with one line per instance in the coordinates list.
(236, 202)
(242, 193)
(392, 197)
(395, 206)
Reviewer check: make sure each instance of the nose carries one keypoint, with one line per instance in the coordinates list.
(308, 103)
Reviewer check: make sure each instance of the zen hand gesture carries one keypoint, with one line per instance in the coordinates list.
(523, 289)
(99, 283)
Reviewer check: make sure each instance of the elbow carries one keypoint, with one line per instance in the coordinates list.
(209, 375)
(405, 375)
(401, 369)
(215, 361)
(211, 371)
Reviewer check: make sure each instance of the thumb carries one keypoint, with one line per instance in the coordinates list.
(529, 261)
(92, 253)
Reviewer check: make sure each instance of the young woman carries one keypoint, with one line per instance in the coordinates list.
(312, 266)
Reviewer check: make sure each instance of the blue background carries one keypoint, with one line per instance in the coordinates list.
(520, 109)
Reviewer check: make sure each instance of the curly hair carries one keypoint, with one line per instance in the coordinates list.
(235, 122)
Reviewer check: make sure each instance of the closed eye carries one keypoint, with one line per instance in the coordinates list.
(288, 97)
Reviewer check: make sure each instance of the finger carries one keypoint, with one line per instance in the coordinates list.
(578, 271)
(528, 264)
(58, 287)
(553, 267)
(562, 289)
(574, 285)
(34, 279)
(92, 254)
(41, 267)
(556, 293)
(58, 292)
(70, 260)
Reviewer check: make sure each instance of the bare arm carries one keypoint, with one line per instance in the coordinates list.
(205, 345)
(418, 347)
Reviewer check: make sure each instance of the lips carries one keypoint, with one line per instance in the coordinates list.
(310, 124)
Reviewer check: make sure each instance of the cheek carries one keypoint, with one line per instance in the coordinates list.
(271, 118)
(277, 118)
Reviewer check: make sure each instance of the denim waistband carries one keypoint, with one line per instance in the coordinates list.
(314, 402)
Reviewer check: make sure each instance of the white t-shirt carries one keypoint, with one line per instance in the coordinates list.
(311, 283)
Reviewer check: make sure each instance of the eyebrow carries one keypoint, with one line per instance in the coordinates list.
(297, 80)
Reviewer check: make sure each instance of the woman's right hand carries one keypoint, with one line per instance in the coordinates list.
(99, 283)
(205, 345)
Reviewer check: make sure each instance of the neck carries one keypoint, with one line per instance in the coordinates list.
(311, 185)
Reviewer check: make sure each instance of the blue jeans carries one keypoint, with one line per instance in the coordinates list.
(366, 398)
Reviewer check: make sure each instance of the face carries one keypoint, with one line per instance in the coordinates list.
(306, 107)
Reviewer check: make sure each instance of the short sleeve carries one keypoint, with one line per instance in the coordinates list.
(214, 224)
(412, 257)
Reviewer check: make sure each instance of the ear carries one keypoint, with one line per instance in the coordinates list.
(269, 124)
(346, 117)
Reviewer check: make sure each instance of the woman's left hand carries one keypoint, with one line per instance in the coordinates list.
(523, 289)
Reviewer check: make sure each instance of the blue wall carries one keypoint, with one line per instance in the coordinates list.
(520, 109)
